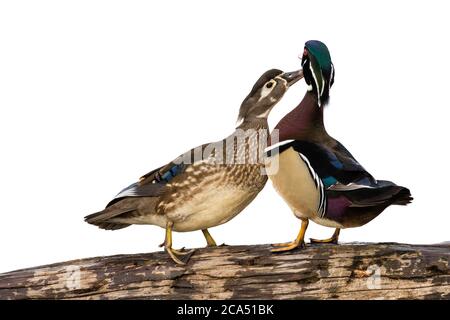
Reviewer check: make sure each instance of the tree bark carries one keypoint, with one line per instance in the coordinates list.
(346, 271)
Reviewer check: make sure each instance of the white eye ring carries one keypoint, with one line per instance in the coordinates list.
(270, 84)
(265, 91)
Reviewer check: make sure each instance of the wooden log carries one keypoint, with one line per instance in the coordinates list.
(346, 271)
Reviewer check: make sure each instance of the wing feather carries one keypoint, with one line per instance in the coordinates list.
(335, 166)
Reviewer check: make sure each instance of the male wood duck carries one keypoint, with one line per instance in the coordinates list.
(317, 176)
(208, 185)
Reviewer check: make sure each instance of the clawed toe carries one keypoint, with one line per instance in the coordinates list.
(283, 247)
(329, 240)
(284, 244)
(173, 253)
(333, 240)
(178, 256)
(183, 252)
(297, 243)
(174, 257)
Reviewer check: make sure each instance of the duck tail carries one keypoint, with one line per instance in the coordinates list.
(398, 195)
(101, 219)
(403, 197)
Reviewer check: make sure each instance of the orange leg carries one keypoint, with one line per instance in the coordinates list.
(298, 242)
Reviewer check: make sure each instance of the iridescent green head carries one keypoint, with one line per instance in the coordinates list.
(318, 70)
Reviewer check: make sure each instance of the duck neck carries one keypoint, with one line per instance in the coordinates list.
(305, 122)
(253, 123)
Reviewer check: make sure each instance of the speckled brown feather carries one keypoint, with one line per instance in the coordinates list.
(207, 192)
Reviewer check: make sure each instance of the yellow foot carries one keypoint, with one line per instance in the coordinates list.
(282, 247)
(329, 240)
(173, 254)
(334, 238)
(297, 243)
(284, 244)
(183, 252)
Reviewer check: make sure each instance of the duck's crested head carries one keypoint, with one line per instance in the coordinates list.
(318, 70)
(266, 92)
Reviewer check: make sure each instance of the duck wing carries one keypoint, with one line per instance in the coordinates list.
(333, 164)
(144, 192)
(342, 181)
(152, 184)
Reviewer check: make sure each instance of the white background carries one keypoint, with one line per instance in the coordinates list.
(93, 94)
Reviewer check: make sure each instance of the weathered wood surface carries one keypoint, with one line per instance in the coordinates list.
(346, 271)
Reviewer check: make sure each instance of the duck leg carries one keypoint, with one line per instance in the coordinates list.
(168, 246)
(334, 238)
(209, 239)
(298, 242)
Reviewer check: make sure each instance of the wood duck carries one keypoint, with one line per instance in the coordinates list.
(317, 176)
(208, 185)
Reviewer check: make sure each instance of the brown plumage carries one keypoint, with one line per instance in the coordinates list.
(206, 186)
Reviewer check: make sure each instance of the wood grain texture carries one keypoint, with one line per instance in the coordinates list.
(346, 271)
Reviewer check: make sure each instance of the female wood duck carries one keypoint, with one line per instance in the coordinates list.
(208, 185)
(317, 176)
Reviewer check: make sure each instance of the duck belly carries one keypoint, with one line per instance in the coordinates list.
(145, 218)
(292, 180)
(328, 222)
(211, 207)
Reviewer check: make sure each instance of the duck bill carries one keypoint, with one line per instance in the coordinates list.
(292, 77)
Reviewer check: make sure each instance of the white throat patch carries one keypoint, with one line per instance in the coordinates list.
(265, 114)
(317, 83)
